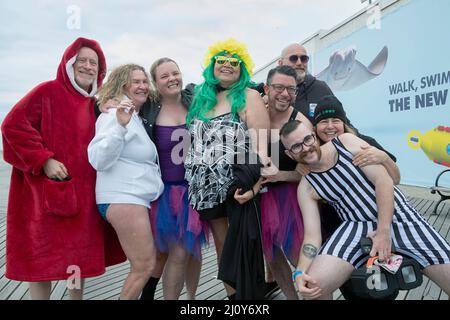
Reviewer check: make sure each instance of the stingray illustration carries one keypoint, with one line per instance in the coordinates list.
(345, 72)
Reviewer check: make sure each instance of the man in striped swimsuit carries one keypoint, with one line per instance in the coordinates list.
(368, 205)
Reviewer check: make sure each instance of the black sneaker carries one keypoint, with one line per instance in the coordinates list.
(271, 287)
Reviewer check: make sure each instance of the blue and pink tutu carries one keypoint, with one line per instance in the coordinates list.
(174, 221)
(281, 220)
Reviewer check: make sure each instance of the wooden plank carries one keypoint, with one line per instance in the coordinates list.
(59, 289)
(102, 286)
(3, 282)
(278, 295)
(9, 289)
(402, 295)
(109, 285)
(113, 292)
(20, 293)
(108, 275)
(114, 287)
(417, 293)
(432, 292)
(428, 289)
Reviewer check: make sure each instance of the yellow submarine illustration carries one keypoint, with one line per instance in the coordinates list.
(435, 144)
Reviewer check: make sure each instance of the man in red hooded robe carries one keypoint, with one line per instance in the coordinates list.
(54, 231)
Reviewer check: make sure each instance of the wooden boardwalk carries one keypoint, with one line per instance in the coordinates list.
(107, 286)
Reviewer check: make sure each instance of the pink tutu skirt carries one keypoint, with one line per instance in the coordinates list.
(174, 221)
(281, 220)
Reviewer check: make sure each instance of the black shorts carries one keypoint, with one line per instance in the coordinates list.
(219, 211)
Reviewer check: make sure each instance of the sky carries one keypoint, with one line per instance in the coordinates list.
(35, 33)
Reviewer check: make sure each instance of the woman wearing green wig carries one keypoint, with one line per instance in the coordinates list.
(227, 119)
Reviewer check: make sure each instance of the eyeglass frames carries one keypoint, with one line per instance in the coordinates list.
(279, 88)
(307, 141)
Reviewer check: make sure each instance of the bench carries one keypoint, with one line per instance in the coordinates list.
(444, 192)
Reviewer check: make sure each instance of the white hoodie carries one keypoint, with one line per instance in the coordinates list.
(126, 162)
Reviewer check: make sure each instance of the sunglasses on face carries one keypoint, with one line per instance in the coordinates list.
(234, 62)
(294, 58)
(308, 142)
(279, 88)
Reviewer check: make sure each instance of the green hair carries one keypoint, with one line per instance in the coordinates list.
(205, 98)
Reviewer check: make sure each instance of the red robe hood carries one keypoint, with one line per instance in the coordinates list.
(65, 72)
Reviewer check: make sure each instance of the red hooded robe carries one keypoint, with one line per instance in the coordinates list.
(53, 225)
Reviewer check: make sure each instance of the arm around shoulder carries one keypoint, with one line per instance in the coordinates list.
(258, 123)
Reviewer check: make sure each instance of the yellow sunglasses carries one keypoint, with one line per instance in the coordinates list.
(234, 62)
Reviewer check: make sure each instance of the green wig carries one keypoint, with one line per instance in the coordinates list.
(205, 98)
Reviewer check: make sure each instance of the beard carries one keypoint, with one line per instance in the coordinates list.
(301, 76)
(84, 83)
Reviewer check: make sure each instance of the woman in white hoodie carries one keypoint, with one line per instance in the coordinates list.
(128, 175)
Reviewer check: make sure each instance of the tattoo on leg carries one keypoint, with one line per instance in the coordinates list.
(309, 250)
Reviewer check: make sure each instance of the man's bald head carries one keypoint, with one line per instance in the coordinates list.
(294, 47)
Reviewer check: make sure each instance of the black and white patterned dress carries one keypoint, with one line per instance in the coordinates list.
(352, 194)
(215, 146)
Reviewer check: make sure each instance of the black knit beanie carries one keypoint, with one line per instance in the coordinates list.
(329, 107)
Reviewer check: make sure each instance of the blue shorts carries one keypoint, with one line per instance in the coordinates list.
(102, 208)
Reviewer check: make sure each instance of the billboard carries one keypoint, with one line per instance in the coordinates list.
(393, 78)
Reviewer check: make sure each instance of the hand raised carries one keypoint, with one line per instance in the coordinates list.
(124, 112)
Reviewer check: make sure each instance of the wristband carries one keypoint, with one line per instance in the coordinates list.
(296, 274)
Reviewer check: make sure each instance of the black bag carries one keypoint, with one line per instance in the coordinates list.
(374, 282)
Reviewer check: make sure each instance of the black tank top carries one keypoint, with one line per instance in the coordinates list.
(283, 162)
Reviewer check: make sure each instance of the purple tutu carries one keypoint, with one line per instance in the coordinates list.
(174, 221)
(281, 220)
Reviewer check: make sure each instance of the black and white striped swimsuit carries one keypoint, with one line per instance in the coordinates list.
(352, 194)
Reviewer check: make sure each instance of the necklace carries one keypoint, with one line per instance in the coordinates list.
(219, 88)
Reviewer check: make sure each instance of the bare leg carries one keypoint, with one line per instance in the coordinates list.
(269, 273)
(219, 228)
(282, 273)
(440, 274)
(132, 226)
(193, 270)
(330, 273)
(148, 292)
(40, 290)
(77, 293)
(174, 273)
(161, 259)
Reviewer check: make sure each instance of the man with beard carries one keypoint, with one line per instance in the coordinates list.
(309, 89)
(281, 221)
(52, 221)
(368, 204)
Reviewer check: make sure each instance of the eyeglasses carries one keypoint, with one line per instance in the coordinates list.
(308, 141)
(279, 88)
(234, 62)
(82, 61)
(294, 58)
